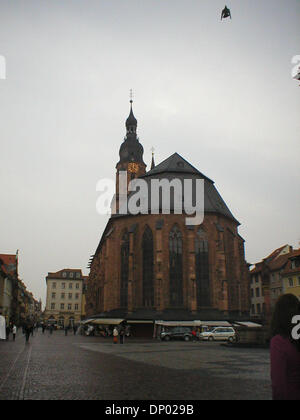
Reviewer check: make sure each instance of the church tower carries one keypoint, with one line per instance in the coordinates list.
(131, 154)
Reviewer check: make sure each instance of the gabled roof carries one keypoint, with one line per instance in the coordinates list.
(175, 164)
(276, 253)
(275, 261)
(279, 262)
(288, 268)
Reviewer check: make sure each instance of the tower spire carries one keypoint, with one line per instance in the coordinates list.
(152, 162)
(131, 122)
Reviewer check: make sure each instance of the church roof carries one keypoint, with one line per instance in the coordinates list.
(175, 163)
(176, 166)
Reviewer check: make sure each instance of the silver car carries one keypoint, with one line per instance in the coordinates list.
(219, 333)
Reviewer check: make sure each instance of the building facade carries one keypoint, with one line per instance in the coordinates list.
(154, 266)
(291, 274)
(9, 287)
(267, 284)
(64, 297)
(17, 304)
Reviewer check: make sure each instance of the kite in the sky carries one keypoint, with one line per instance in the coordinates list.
(225, 13)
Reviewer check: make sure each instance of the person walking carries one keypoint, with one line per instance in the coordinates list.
(194, 335)
(43, 328)
(2, 327)
(66, 330)
(14, 332)
(122, 334)
(115, 335)
(27, 330)
(74, 329)
(285, 350)
(7, 332)
(51, 329)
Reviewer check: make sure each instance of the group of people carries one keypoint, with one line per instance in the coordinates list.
(70, 327)
(11, 329)
(117, 333)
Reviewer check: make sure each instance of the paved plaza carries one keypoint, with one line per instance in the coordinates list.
(76, 367)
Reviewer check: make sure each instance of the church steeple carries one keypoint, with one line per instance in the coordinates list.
(131, 149)
(152, 162)
(131, 122)
(131, 156)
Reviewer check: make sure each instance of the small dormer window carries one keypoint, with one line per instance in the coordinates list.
(64, 274)
(71, 275)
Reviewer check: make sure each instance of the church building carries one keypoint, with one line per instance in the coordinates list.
(151, 267)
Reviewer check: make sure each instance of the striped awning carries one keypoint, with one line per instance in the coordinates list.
(105, 321)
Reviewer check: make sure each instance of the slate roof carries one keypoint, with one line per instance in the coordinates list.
(176, 166)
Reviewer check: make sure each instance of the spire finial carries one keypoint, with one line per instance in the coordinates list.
(152, 162)
(131, 96)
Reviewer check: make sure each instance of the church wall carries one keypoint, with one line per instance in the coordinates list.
(227, 267)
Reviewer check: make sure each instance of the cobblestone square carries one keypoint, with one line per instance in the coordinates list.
(57, 367)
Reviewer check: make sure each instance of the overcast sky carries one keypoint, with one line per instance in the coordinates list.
(218, 93)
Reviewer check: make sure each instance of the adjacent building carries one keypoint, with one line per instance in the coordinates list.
(16, 303)
(291, 274)
(64, 303)
(8, 287)
(267, 281)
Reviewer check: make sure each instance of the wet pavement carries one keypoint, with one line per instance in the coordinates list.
(57, 367)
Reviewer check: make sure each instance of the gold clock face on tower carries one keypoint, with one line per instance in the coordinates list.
(133, 167)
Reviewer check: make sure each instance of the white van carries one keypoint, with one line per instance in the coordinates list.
(219, 333)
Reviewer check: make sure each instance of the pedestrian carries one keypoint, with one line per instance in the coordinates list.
(14, 332)
(7, 332)
(194, 335)
(285, 350)
(51, 329)
(66, 330)
(43, 328)
(122, 333)
(74, 329)
(115, 335)
(27, 330)
(2, 327)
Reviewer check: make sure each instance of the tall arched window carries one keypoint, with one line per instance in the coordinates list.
(124, 270)
(175, 252)
(148, 284)
(202, 269)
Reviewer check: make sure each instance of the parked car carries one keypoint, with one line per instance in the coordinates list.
(219, 333)
(181, 333)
